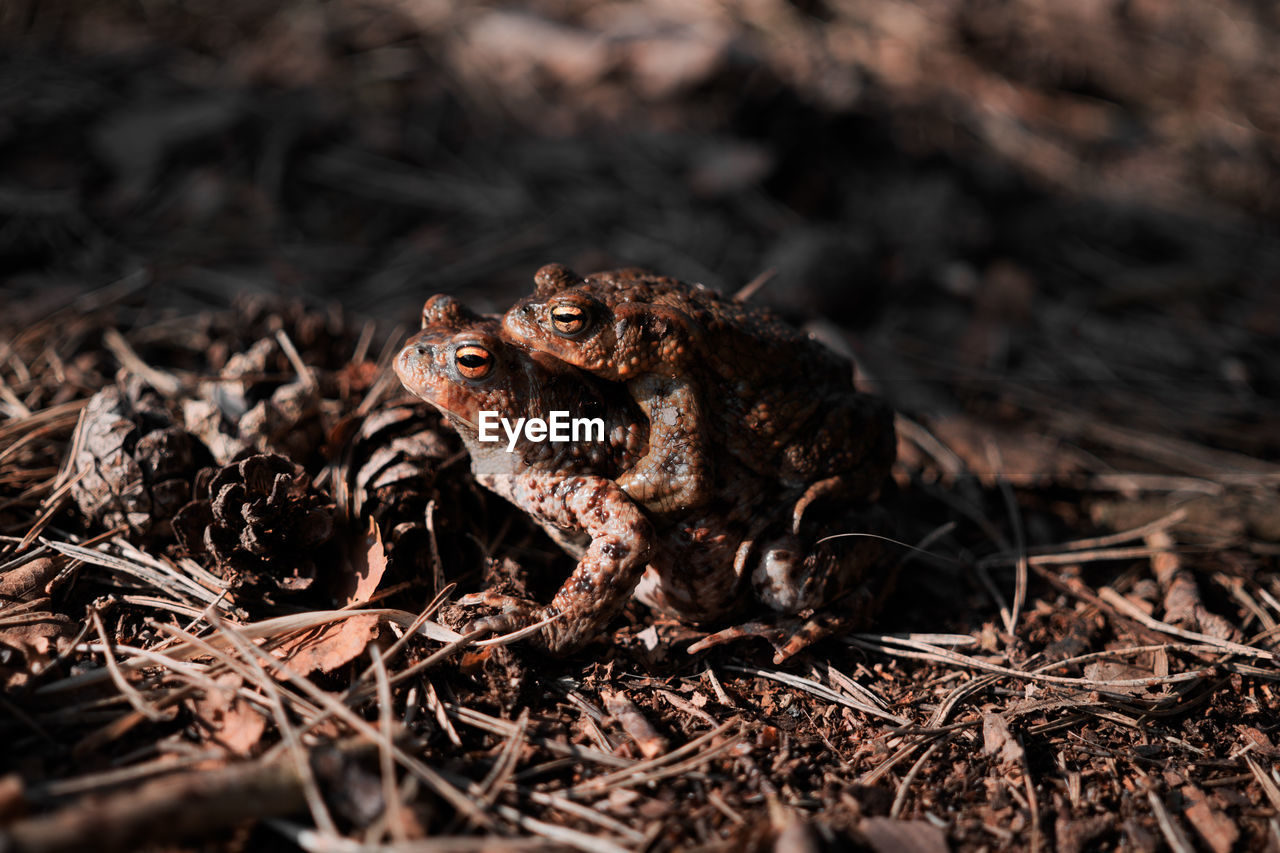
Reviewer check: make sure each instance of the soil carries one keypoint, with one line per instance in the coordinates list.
(1047, 233)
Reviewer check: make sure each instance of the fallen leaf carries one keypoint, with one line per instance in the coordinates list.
(1258, 741)
(998, 740)
(28, 581)
(368, 565)
(230, 721)
(329, 646)
(1112, 671)
(1028, 459)
(35, 635)
(472, 662)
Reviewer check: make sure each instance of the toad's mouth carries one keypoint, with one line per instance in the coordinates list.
(413, 371)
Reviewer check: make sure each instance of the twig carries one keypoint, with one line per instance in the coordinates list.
(1268, 784)
(163, 381)
(288, 733)
(1019, 539)
(925, 652)
(160, 811)
(437, 707)
(1033, 802)
(749, 289)
(682, 704)
(1173, 834)
(819, 690)
(122, 684)
(721, 696)
(386, 758)
(644, 771)
(1127, 607)
(582, 812)
(305, 373)
(900, 799)
(904, 752)
(431, 777)
(504, 728)
(635, 724)
(1074, 557)
(99, 782)
(562, 834)
(1133, 534)
(504, 768)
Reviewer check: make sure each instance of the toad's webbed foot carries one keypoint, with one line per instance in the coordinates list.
(513, 613)
(788, 635)
(559, 636)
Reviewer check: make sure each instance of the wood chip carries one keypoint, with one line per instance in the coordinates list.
(634, 723)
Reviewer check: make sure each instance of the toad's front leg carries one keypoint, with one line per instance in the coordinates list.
(606, 574)
(673, 475)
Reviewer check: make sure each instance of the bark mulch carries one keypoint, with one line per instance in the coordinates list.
(229, 541)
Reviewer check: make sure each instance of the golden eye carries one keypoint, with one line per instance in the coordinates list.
(473, 361)
(568, 319)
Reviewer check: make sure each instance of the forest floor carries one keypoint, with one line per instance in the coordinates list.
(1046, 233)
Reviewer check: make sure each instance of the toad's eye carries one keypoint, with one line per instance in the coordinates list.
(568, 319)
(473, 361)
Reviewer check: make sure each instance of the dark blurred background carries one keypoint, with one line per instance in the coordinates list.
(1013, 206)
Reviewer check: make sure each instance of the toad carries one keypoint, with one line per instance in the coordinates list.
(459, 364)
(696, 566)
(713, 376)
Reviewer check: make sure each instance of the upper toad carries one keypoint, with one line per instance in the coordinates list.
(711, 372)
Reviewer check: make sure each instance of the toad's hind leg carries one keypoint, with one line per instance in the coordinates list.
(840, 583)
(674, 475)
(796, 573)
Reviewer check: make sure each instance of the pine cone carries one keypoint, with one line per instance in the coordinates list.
(132, 466)
(262, 523)
(397, 452)
(392, 469)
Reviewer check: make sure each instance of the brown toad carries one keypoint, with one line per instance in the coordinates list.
(717, 379)
(701, 564)
(460, 365)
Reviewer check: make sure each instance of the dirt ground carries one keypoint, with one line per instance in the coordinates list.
(1046, 232)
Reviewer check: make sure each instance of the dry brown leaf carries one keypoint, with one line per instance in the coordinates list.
(36, 642)
(1258, 741)
(998, 740)
(1113, 671)
(28, 581)
(634, 723)
(230, 720)
(34, 636)
(330, 646)
(368, 564)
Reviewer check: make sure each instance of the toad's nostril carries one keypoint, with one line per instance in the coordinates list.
(421, 350)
